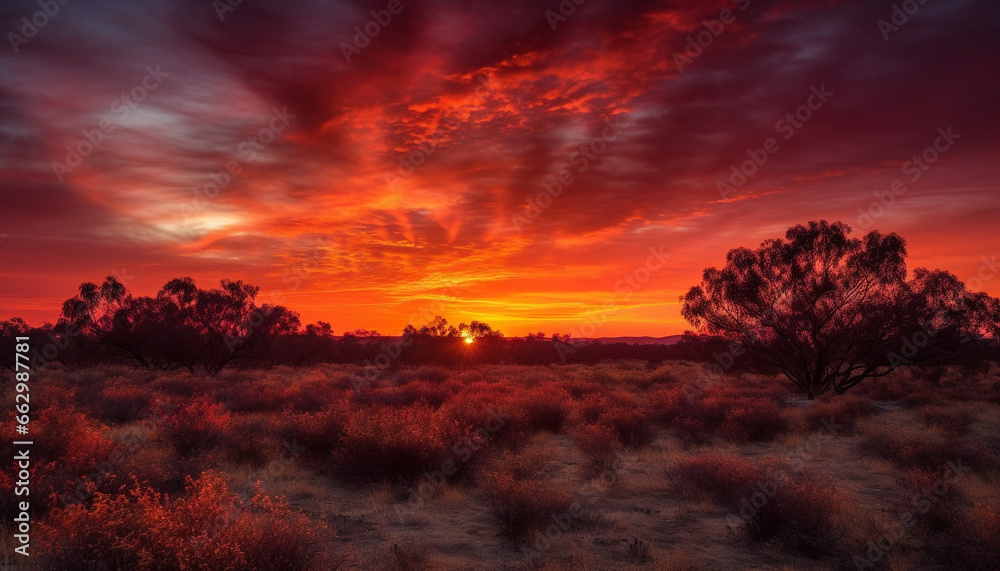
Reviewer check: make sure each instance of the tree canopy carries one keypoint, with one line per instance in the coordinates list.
(183, 326)
(829, 310)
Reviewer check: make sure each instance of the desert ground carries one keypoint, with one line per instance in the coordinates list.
(617, 465)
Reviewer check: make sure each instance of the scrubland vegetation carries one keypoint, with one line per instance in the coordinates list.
(625, 464)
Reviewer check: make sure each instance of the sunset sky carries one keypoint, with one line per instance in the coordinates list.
(491, 102)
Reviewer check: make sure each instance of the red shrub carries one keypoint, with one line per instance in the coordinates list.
(805, 515)
(542, 409)
(432, 374)
(954, 421)
(927, 451)
(481, 409)
(209, 528)
(753, 420)
(728, 479)
(181, 384)
(262, 395)
(798, 510)
(842, 410)
(317, 395)
(195, 426)
(631, 425)
(250, 439)
(71, 459)
(922, 487)
(318, 432)
(522, 508)
(698, 414)
(600, 445)
(431, 393)
(382, 443)
(124, 402)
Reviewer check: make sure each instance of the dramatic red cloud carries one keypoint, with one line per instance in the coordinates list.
(472, 161)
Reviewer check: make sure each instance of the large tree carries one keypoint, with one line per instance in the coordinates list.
(829, 310)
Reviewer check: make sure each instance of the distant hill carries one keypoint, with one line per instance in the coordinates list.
(668, 340)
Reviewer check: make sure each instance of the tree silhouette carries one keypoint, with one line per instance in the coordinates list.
(829, 311)
(183, 326)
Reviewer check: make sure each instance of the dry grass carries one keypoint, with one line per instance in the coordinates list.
(603, 467)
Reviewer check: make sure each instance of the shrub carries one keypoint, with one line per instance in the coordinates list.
(195, 426)
(180, 384)
(953, 421)
(156, 465)
(727, 479)
(843, 410)
(699, 415)
(593, 405)
(114, 532)
(409, 556)
(250, 440)
(600, 445)
(498, 415)
(382, 443)
(432, 374)
(257, 396)
(639, 552)
(632, 425)
(208, 528)
(932, 498)
(795, 509)
(317, 395)
(71, 459)
(432, 393)
(124, 402)
(522, 508)
(805, 516)
(543, 409)
(318, 432)
(892, 387)
(930, 452)
(753, 420)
